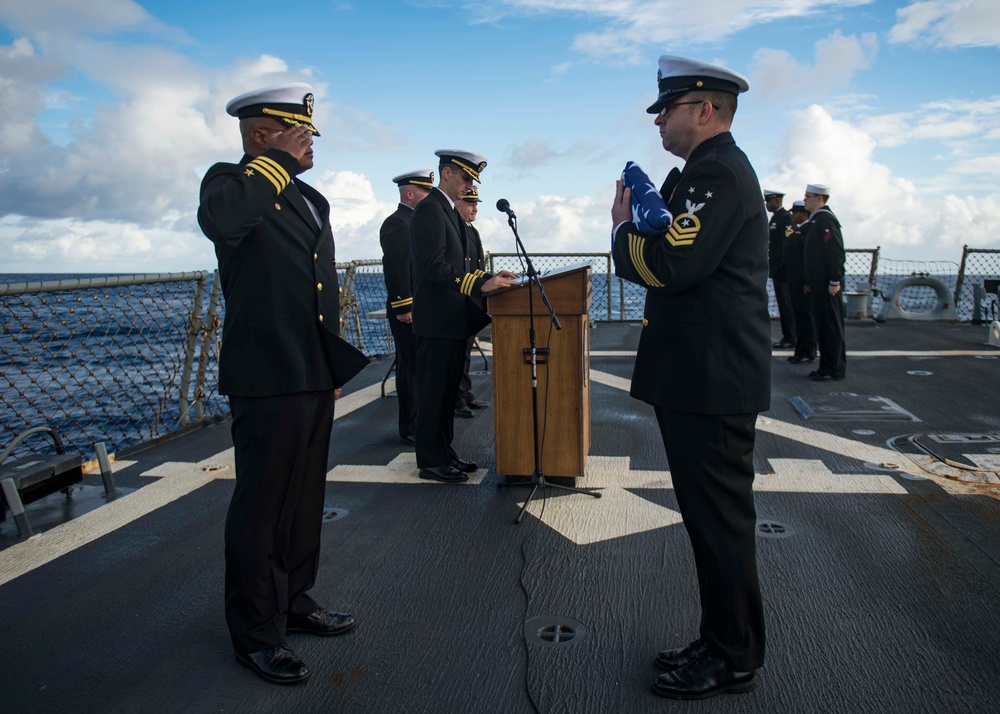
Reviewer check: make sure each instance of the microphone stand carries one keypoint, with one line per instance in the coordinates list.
(538, 477)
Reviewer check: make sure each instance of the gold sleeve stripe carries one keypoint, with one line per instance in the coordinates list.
(479, 273)
(467, 283)
(269, 173)
(279, 171)
(402, 303)
(636, 245)
(264, 172)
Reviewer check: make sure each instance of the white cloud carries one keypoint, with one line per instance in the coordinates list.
(875, 206)
(776, 74)
(636, 24)
(948, 23)
(944, 120)
(122, 186)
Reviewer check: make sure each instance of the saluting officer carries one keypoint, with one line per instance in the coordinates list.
(281, 365)
(447, 310)
(824, 261)
(394, 236)
(795, 274)
(703, 362)
(779, 229)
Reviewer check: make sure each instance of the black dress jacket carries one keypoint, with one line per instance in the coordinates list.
(823, 248)
(705, 346)
(793, 267)
(279, 279)
(394, 237)
(447, 291)
(779, 229)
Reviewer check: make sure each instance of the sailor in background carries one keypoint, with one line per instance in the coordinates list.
(279, 367)
(468, 207)
(824, 261)
(704, 362)
(394, 236)
(795, 273)
(779, 229)
(447, 310)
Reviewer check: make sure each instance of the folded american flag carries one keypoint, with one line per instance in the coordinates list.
(649, 210)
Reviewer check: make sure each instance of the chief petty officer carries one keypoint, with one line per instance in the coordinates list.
(704, 362)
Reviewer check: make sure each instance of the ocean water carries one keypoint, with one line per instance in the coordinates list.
(107, 364)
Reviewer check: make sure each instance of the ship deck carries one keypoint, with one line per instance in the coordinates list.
(879, 578)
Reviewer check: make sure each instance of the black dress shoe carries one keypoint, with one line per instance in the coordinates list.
(669, 660)
(278, 665)
(825, 377)
(463, 412)
(445, 474)
(408, 439)
(477, 404)
(323, 623)
(463, 466)
(703, 678)
(801, 360)
(783, 343)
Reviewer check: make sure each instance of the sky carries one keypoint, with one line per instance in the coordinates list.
(114, 110)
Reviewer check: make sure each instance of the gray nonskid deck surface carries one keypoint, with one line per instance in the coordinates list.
(880, 601)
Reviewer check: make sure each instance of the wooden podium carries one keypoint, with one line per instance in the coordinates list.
(563, 375)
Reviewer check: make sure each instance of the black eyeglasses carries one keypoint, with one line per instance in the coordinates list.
(666, 109)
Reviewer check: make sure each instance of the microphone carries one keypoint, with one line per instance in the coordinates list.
(503, 205)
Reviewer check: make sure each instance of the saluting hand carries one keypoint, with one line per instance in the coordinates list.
(296, 140)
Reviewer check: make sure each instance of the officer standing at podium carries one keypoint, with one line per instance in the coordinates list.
(704, 362)
(446, 311)
(466, 401)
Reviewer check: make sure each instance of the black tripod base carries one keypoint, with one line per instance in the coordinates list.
(538, 481)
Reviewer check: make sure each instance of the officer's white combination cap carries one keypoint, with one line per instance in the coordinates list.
(798, 206)
(472, 163)
(677, 76)
(819, 188)
(291, 104)
(420, 177)
(768, 192)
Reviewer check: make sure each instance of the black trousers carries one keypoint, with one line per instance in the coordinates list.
(275, 516)
(805, 324)
(439, 364)
(465, 395)
(406, 374)
(786, 313)
(711, 465)
(829, 312)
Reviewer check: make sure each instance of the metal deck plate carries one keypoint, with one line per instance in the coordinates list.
(849, 407)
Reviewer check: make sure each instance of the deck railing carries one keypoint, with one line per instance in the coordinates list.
(126, 360)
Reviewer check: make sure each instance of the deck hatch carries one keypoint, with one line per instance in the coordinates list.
(334, 514)
(768, 528)
(553, 631)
